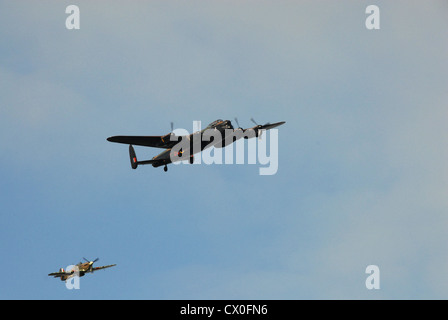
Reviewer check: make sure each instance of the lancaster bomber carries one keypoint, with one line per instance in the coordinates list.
(222, 128)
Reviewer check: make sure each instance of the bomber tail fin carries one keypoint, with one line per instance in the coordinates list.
(134, 161)
(133, 157)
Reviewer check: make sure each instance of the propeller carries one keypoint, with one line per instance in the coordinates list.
(172, 128)
(238, 124)
(91, 263)
(259, 128)
(265, 126)
(169, 135)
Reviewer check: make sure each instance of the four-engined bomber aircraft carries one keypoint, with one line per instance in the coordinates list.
(227, 133)
(82, 269)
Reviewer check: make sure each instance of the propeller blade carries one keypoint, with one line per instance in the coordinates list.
(172, 126)
(91, 261)
(252, 119)
(236, 120)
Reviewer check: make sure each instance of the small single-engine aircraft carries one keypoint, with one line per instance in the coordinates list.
(195, 141)
(79, 270)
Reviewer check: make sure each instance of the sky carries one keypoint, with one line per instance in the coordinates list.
(362, 159)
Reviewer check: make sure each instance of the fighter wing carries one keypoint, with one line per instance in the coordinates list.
(103, 267)
(60, 274)
(164, 142)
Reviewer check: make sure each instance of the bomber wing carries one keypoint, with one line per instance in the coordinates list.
(258, 129)
(268, 126)
(164, 142)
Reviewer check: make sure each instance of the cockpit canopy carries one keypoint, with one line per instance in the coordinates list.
(214, 123)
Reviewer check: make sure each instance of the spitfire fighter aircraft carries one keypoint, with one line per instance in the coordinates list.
(80, 270)
(191, 144)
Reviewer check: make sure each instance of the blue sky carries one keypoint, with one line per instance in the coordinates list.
(362, 175)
